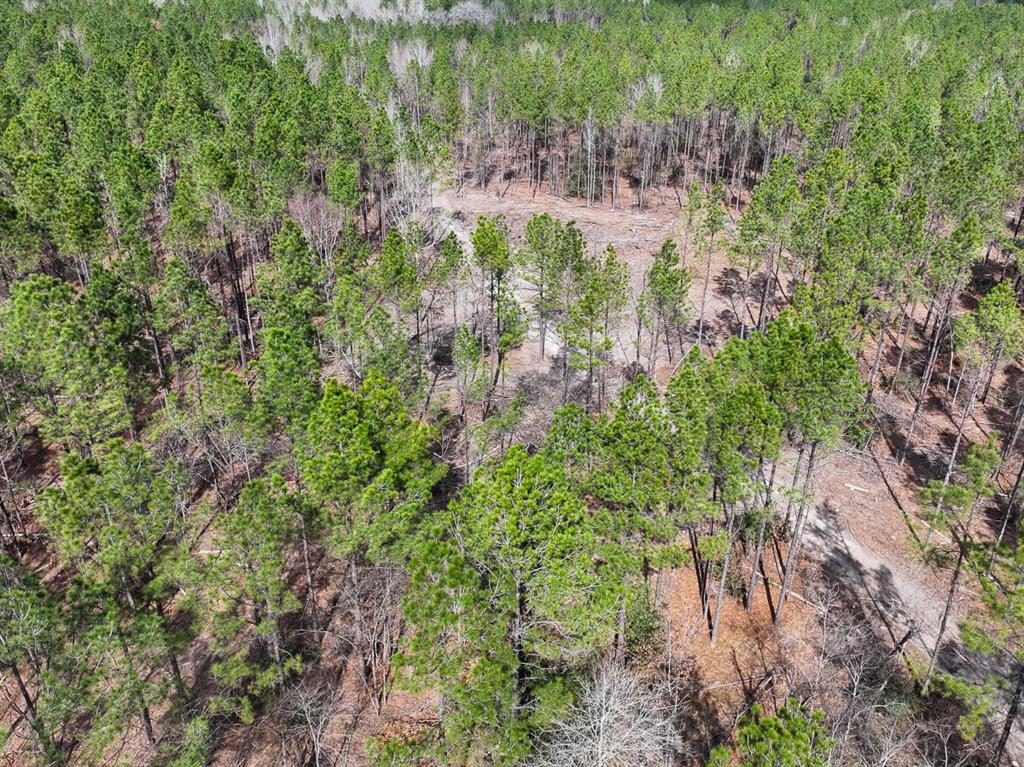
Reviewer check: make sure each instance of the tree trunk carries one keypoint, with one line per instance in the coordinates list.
(54, 758)
(11, 545)
(172, 660)
(883, 331)
(954, 585)
(760, 538)
(925, 382)
(310, 592)
(968, 409)
(731, 516)
(756, 562)
(1014, 435)
(991, 375)
(794, 546)
(769, 277)
(796, 479)
(1011, 716)
(902, 336)
(704, 294)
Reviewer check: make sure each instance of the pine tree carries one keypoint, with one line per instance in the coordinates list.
(186, 314)
(744, 433)
(587, 329)
(792, 738)
(954, 506)
(250, 596)
(369, 463)
(116, 522)
(515, 583)
(78, 384)
(31, 647)
(664, 304)
(997, 633)
(829, 401)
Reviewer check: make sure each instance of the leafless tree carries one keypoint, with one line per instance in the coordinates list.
(273, 33)
(410, 206)
(855, 679)
(620, 719)
(371, 620)
(322, 223)
(942, 746)
(310, 707)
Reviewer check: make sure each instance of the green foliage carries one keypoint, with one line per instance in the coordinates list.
(591, 317)
(115, 519)
(664, 304)
(289, 375)
(370, 464)
(367, 337)
(792, 738)
(31, 635)
(186, 314)
(471, 370)
(995, 331)
(491, 251)
(516, 582)
(116, 523)
(194, 748)
(250, 595)
(159, 164)
(290, 286)
(74, 378)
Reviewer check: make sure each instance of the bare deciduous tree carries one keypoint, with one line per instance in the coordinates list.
(371, 605)
(322, 223)
(620, 719)
(311, 706)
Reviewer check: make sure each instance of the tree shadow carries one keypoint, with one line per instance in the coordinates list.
(698, 721)
(728, 283)
(984, 276)
(871, 595)
(877, 600)
(726, 327)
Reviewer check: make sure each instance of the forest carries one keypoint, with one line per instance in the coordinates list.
(511, 383)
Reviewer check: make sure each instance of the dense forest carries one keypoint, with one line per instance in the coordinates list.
(568, 383)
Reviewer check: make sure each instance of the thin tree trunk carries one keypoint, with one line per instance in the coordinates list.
(1011, 716)
(954, 585)
(968, 409)
(53, 755)
(721, 579)
(310, 592)
(794, 546)
(769, 277)
(999, 539)
(991, 375)
(704, 294)
(1015, 429)
(883, 331)
(903, 335)
(796, 479)
(172, 660)
(760, 539)
(12, 545)
(925, 382)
